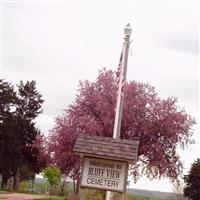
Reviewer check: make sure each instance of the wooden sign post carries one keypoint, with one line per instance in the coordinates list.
(105, 161)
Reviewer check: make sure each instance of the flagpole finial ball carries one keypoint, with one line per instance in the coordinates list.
(127, 30)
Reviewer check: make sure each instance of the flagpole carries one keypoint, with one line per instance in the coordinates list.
(120, 95)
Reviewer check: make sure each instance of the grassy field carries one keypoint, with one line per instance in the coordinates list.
(4, 192)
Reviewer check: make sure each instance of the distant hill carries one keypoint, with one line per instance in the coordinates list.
(149, 193)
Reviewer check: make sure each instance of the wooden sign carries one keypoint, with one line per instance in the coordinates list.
(104, 174)
(105, 161)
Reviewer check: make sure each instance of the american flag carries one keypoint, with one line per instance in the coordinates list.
(120, 72)
(120, 94)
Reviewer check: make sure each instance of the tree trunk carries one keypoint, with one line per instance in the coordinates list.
(51, 190)
(4, 182)
(10, 183)
(77, 186)
(16, 180)
(62, 187)
(32, 184)
(74, 186)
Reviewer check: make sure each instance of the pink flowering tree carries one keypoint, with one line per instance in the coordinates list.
(159, 124)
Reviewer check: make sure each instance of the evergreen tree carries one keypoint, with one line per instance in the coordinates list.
(8, 101)
(27, 109)
(192, 180)
(19, 134)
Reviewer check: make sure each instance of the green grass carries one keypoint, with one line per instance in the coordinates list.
(4, 192)
(136, 197)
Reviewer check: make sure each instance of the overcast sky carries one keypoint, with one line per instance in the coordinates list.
(58, 43)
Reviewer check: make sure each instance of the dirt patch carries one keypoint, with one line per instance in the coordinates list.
(17, 196)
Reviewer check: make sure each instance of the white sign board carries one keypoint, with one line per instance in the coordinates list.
(104, 174)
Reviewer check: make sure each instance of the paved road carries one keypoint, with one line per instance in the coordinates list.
(18, 196)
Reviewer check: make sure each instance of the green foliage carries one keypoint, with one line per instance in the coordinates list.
(19, 154)
(91, 194)
(135, 197)
(5, 192)
(8, 101)
(192, 180)
(23, 186)
(53, 175)
(41, 188)
(26, 173)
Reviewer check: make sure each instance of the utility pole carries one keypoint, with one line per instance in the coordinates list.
(120, 96)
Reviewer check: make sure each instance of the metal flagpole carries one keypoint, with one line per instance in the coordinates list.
(120, 95)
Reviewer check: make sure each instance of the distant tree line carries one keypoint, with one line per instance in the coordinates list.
(20, 140)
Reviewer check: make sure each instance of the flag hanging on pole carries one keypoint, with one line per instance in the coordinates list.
(120, 82)
(120, 73)
(120, 94)
(121, 77)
